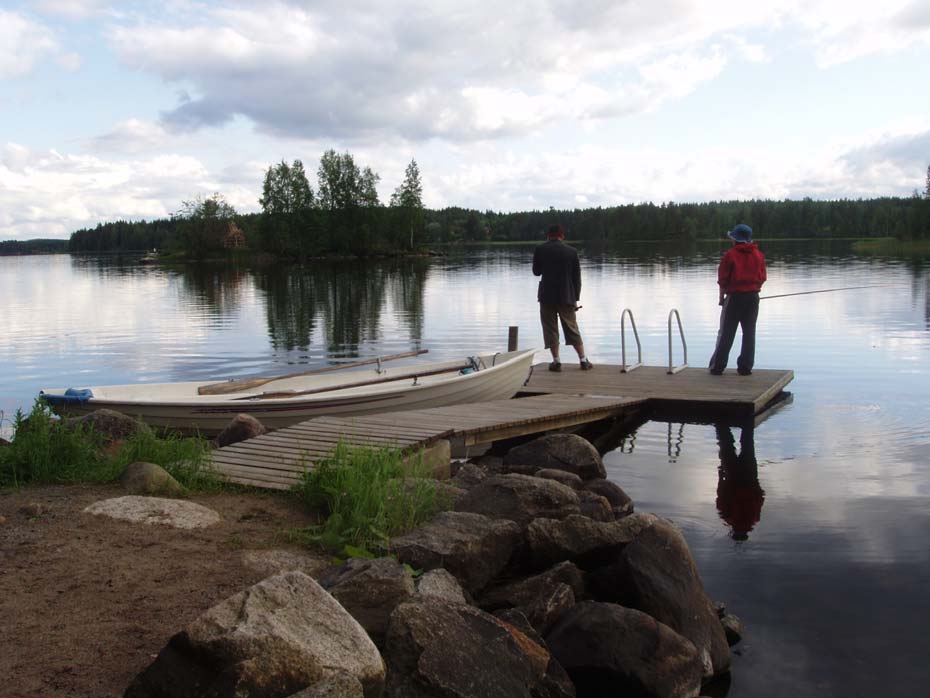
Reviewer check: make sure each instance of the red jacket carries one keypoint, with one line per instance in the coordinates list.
(742, 269)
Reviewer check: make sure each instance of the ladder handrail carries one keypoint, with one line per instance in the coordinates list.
(671, 368)
(624, 368)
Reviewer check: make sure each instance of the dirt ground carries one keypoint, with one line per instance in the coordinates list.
(86, 602)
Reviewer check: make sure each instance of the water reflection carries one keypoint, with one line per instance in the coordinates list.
(739, 494)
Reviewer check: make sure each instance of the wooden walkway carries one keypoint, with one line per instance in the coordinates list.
(276, 460)
(692, 391)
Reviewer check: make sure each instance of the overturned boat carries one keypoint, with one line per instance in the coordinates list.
(282, 401)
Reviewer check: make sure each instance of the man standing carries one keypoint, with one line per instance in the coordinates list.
(559, 291)
(740, 276)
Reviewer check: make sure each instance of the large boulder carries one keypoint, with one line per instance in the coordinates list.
(111, 425)
(337, 685)
(519, 498)
(241, 428)
(468, 475)
(609, 650)
(148, 478)
(586, 542)
(656, 574)
(522, 592)
(594, 506)
(566, 478)
(441, 584)
(271, 640)
(370, 590)
(437, 650)
(567, 452)
(474, 548)
(155, 511)
(620, 501)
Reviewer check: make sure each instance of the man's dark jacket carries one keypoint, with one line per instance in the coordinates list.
(558, 265)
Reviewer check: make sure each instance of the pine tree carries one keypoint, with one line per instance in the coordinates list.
(927, 191)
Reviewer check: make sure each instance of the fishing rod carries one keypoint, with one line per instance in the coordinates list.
(824, 290)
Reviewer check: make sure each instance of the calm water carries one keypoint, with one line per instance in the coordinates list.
(823, 548)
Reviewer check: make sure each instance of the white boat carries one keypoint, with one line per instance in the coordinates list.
(280, 402)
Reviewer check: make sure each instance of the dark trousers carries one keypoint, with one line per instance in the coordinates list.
(739, 310)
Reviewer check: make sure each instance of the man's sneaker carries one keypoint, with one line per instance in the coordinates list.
(555, 366)
(716, 371)
(744, 371)
(586, 365)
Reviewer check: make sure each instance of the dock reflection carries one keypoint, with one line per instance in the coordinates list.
(739, 494)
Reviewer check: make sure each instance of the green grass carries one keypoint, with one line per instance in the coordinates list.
(45, 451)
(366, 499)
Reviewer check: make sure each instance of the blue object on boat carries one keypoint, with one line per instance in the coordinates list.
(72, 396)
(466, 371)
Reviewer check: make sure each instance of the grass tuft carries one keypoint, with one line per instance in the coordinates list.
(368, 496)
(44, 451)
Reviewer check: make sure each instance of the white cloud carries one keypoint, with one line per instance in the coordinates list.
(22, 43)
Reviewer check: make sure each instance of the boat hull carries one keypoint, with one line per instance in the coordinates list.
(208, 415)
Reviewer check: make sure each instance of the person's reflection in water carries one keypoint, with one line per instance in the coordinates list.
(739, 495)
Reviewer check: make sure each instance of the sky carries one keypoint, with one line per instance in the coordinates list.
(123, 110)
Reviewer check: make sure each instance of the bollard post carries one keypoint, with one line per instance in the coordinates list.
(512, 338)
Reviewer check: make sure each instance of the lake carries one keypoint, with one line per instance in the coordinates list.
(822, 550)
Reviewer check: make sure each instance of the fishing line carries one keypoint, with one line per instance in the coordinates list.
(825, 290)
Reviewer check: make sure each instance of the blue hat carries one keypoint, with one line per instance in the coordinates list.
(741, 233)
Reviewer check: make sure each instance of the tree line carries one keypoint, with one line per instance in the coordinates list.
(343, 216)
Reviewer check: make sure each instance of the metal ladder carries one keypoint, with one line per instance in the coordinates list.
(672, 369)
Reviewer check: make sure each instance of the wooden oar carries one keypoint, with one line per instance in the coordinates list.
(238, 386)
(357, 384)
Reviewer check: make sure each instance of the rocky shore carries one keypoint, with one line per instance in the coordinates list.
(542, 581)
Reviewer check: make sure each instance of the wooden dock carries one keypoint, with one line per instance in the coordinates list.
(692, 391)
(276, 460)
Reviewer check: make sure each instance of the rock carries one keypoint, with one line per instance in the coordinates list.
(594, 506)
(519, 498)
(474, 548)
(490, 464)
(148, 478)
(435, 650)
(732, 628)
(468, 475)
(2, 520)
(33, 509)
(272, 562)
(447, 494)
(241, 428)
(579, 539)
(620, 502)
(111, 425)
(155, 511)
(440, 584)
(519, 469)
(370, 590)
(656, 574)
(276, 638)
(546, 608)
(566, 478)
(609, 650)
(567, 452)
(523, 592)
(556, 683)
(518, 619)
(338, 685)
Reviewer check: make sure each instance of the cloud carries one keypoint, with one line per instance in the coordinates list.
(419, 70)
(49, 194)
(72, 9)
(22, 43)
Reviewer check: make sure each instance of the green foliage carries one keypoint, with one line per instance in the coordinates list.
(45, 451)
(366, 498)
(286, 189)
(185, 458)
(205, 223)
(407, 200)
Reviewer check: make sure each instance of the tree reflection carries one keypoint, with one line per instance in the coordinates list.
(739, 494)
(345, 300)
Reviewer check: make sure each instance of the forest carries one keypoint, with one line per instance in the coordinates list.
(343, 216)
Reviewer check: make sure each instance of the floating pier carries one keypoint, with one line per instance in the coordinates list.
(277, 459)
(548, 401)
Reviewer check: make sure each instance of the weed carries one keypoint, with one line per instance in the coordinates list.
(367, 498)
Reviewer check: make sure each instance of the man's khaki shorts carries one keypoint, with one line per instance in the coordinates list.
(550, 316)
